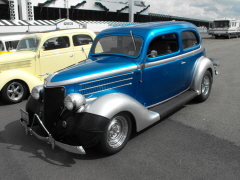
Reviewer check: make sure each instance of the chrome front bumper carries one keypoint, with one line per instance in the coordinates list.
(50, 140)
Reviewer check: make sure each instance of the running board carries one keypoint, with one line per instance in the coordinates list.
(171, 105)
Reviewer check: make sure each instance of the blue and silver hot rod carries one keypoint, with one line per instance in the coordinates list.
(133, 77)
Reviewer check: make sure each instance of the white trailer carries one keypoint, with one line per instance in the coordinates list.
(225, 27)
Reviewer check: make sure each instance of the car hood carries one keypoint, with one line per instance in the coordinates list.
(92, 69)
(17, 56)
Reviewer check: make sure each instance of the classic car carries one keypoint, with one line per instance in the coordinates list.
(133, 77)
(37, 54)
(8, 43)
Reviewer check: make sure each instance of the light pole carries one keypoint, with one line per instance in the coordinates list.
(131, 14)
(66, 5)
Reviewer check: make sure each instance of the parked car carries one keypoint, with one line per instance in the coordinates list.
(8, 43)
(134, 76)
(38, 54)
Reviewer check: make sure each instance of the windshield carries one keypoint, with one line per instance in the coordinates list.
(126, 45)
(28, 44)
(221, 24)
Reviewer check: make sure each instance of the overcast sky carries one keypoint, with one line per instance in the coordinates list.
(204, 9)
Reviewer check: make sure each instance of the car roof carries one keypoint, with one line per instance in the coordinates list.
(143, 29)
(58, 32)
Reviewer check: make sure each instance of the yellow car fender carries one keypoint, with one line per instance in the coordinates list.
(9, 75)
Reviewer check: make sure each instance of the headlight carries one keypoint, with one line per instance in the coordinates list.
(36, 91)
(74, 101)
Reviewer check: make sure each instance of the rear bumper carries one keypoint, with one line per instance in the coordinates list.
(49, 139)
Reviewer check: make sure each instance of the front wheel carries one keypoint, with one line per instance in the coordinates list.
(116, 134)
(206, 86)
(13, 92)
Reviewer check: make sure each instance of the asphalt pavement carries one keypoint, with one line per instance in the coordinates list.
(196, 142)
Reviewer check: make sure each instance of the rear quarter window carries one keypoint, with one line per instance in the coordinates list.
(189, 39)
(81, 39)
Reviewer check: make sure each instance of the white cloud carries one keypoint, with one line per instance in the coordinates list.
(204, 9)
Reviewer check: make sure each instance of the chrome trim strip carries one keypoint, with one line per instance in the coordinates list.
(107, 78)
(118, 71)
(163, 61)
(166, 99)
(106, 84)
(92, 76)
(110, 88)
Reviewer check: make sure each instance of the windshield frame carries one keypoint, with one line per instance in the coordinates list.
(29, 49)
(137, 39)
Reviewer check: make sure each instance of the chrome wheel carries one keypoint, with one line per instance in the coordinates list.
(205, 85)
(117, 131)
(15, 91)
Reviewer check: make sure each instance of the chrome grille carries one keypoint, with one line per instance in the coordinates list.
(106, 83)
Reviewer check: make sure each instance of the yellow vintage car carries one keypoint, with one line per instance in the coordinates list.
(8, 43)
(36, 56)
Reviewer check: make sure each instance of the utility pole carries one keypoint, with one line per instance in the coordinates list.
(131, 12)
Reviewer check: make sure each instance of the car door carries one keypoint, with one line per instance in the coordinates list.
(162, 77)
(81, 45)
(56, 54)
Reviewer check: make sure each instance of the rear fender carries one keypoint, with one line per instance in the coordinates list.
(203, 64)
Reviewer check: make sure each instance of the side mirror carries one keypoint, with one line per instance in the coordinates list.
(153, 53)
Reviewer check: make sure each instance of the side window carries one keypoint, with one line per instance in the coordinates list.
(164, 44)
(189, 39)
(81, 39)
(56, 43)
(13, 44)
(1, 46)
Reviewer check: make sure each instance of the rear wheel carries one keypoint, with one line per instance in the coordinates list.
(206, 86)
(116, 134)
(13, 92)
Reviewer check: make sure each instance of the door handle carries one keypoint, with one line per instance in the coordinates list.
(183, 62)
(71, 55)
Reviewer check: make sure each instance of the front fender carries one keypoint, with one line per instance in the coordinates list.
(203, 64)
(112, 104)
(9, 75)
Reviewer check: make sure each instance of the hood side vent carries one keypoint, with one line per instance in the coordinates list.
(15, 65)
(106, 84)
